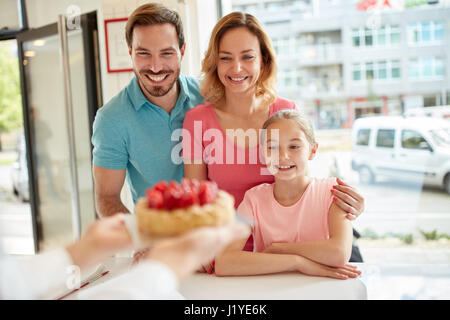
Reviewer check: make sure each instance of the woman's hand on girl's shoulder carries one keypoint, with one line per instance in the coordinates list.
(348, 199)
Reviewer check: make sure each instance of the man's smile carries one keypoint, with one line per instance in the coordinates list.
(156, 78)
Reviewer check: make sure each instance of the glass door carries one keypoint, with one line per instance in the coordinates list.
(60, 90)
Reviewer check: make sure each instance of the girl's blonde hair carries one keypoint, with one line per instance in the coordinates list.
(294, 115)
(211, 88)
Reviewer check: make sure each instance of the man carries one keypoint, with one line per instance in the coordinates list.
(132, 132)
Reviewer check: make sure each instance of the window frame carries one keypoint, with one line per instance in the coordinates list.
(377, 145)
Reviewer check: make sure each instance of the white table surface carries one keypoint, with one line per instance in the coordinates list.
(281, 286)
(377, 281)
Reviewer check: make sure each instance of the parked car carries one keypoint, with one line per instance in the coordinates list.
(19, 172)
(415, 149)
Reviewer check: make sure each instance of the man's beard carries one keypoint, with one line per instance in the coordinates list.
(157, 91)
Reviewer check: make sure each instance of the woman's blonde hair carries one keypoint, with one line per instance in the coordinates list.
(294, 115)
(211, 88)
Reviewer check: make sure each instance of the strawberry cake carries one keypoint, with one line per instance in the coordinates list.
(172, 208)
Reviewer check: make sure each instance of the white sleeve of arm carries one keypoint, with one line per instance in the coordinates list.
(148, 280)
(33, 277)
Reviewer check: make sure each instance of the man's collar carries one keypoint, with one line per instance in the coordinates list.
(138, 98)
(135, 94)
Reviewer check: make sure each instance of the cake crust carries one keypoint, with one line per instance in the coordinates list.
(166, 223)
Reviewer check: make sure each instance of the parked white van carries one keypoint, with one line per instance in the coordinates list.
(412, 149)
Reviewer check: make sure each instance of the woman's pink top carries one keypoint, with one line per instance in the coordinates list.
(233, 168)
(306, 220)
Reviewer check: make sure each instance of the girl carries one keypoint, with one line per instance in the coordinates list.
(297, 225)
(239, 77)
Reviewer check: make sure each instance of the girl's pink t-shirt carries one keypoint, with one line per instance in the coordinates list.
(233, 168)
(306, 220)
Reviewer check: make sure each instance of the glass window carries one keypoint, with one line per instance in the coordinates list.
(385, 138)
(413, 69)
(427, 66)
(369, 70)
(362, 137)
(413, 140)
(275, 45)
(382, 71)
(298, 77)
(284, 46)
(413, 33)
(395, 69)
(297, 43)
(426, 32)
(395, 34)
(368, 38)
(356, 71)
(381, 36)
(356, 38)
(416, 36)
(438, 31)
(287, 82)
(439, 67)
(441, 137)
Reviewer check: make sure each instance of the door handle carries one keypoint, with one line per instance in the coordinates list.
(76, 217)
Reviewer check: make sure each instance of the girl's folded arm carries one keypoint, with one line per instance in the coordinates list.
(235, 262)
(335, 251)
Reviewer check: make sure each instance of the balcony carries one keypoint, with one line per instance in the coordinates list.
(312, 88)
(313, 55)
(321, 88)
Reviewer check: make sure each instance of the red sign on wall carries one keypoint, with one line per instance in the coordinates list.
(363, 5)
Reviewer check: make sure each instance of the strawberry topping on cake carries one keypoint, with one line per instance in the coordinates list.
(173, 195)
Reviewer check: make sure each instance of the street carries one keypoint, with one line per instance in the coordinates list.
(390, 206)
(16, 230)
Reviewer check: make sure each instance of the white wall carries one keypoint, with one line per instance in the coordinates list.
(199, 17)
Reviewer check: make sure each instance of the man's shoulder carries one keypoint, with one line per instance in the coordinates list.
(116, 106)
(192, 81)
(192, 89)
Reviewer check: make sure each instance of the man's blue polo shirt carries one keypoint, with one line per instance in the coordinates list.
(133, 134)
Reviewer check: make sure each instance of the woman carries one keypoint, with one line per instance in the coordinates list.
(239, 72)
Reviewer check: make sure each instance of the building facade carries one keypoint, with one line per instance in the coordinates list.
(344, 59)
